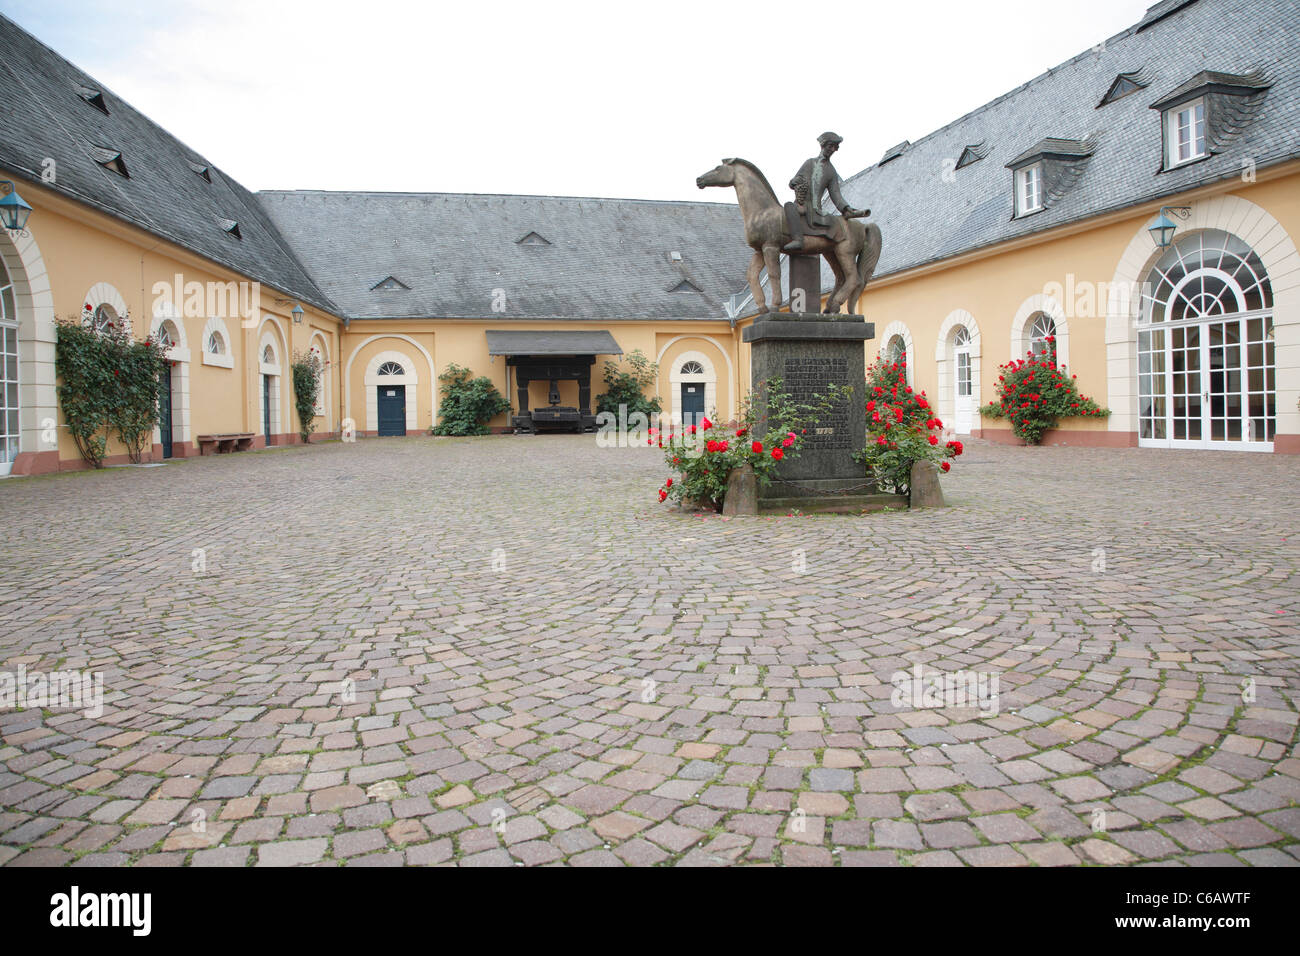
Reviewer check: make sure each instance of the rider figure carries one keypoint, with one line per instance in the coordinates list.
(814, 178)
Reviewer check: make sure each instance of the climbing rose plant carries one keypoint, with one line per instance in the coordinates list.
(307, 368)
(1034, 393)
(108, 384)
(771, 427)
(902, 428)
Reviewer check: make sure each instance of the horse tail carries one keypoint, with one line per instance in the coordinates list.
(869, 256)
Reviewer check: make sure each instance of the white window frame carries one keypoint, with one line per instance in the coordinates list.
(1029, 186)
(223, 359)
(1185, 134)
(1035, 339)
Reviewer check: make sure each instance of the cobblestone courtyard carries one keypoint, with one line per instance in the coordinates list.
(504, 651)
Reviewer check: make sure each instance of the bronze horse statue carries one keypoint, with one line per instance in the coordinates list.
(852, 252)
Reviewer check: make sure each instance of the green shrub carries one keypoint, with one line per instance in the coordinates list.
(627, 386)
(108, 383)
(467, 404)
(307, 370)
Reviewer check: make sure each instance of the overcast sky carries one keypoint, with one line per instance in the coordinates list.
(560, 98)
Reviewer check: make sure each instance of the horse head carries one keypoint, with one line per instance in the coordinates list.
(721, 175)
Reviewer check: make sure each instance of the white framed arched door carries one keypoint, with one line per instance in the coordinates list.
(1206, 351)
(962, 384)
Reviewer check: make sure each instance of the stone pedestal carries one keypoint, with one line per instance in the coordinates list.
(809, 351)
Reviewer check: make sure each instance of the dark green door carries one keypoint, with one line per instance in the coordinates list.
(266, 407)
(392, 409)
(165, 410)
(692, 402)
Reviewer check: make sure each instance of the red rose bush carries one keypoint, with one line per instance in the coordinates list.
(1034, 393)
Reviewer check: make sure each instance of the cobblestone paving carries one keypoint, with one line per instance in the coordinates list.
(504, 651)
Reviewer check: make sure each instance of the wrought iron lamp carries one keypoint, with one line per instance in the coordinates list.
(1162, 230)
(13, 210)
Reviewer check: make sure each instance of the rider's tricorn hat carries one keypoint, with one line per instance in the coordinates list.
(829, 137)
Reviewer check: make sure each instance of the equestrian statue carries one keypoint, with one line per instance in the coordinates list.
(851, 248)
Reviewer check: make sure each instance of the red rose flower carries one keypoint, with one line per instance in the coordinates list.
(789, 440)
(777, 454)
(944, 465)
(669, 484)
(756, 448)
(707, 424)
(934, 439)
(662, 494)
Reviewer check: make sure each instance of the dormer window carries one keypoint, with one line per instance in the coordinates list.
(1029, 189)
(1185, 134)
(94, 97)
(110, 159)
(1200, 117)
(1047, 171)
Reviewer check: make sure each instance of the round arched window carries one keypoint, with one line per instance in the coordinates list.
(104, 317)
(692, 367)
(1203, 275)
(391, 368)
(216, 346)
(962, 337)
(1043, 328)
(268, 355)
(166, 335)
(896, 349)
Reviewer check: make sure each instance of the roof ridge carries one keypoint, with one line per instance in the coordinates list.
(474, 195)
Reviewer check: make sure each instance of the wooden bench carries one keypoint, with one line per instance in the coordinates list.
(222, 444)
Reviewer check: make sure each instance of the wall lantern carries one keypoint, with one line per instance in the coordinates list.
(297, 313)
(1162, 230)
(13, 210)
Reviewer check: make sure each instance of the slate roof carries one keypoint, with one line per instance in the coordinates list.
(46, 110)
(546, 342)
(925, 217)
(602, 259)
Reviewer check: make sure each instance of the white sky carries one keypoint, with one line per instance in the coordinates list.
(555, 97)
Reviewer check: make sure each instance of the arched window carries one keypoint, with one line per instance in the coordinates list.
(896, 350)
(1043, 328)
(104, 317)
(166, 335)
(216, 345)
(1206, 274)
(692, 368)
(268, 355)
(391, 368)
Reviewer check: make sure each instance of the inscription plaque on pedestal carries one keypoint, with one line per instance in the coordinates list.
(810, 352)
